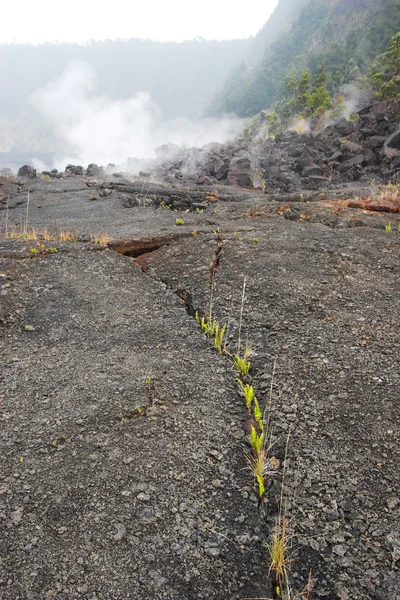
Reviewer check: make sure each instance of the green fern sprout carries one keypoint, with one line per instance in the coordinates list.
(258, 468)
(242, 364)
(219, 333)
(256, 441)
(248, 392)
(258, 414)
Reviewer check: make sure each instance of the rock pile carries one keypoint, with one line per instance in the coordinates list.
(361, 150)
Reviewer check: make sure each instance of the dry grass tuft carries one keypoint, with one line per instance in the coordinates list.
(47, 236)
(101, 239)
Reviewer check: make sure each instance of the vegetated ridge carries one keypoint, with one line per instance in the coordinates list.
(346, 35)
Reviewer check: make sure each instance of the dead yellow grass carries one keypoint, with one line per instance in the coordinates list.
(100, 239)
(47, 236)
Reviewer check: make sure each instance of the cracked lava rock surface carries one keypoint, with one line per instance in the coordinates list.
(123, 469)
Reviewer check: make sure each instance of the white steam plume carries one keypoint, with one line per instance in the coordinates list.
(98, 129)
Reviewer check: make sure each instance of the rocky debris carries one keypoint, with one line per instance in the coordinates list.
(362, 150)
(53, 174)
(341, 153)
(74, 170)
(6, 172)
(27, 171)
(94, 170)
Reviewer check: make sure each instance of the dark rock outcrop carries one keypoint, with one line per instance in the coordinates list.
(243, 171)
(27, 171)
(94, 170)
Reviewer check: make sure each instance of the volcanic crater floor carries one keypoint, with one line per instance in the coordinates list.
(123, 471)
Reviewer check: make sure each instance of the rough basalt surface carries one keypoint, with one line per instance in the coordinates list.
(123, 468)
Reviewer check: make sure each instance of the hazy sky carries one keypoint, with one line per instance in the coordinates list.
(81, 20)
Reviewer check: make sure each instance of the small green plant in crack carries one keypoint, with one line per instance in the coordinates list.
(257, 467)
(278, 551)
(61, 440)
(260, 463)
(389, 227)
(256, 440)
(219, 335)
(258, 416)
(248, 392)
(242, 363)
(199, 210)
(213, 330)
(203, 322)
(218, 230)
(179, 221)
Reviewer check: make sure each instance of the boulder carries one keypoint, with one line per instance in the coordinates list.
(389, 152)
(74, 169)
(353, 162)
(243, 171)
(376, 141)
(367, 132)
(27, 171)
(336, 157)
(311, 171)
(370, 158)
(396, 163)
(94, 170)
(344, 127)
(318, 181)
(354, 148)
(393, 141)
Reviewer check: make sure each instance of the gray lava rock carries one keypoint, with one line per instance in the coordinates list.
(393, 141)
(336, 156)
(94, 170)
(243, 171)
(396, 163)
(352, 162)
(74, 169)
(376, 141)
(312, 170)
(27, 171)
(317, 181)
